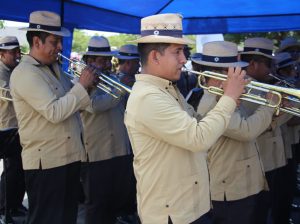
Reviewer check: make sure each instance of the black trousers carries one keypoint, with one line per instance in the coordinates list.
(243, 211)
(109, 188)
(53, 194)
(204, 219)
(15, 183)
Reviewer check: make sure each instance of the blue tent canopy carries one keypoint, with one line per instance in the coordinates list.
(200, 16)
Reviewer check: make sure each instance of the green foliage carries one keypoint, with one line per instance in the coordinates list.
(275, 36)
(25, 49)
(1, 24)
(121, 39)
(80, 41)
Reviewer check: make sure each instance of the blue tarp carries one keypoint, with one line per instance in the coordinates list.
(200, 16)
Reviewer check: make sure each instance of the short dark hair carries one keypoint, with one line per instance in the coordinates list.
(39, 34)
(144, 50)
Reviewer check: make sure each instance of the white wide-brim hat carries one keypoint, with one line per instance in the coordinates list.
(221, 54)
(288, 42)
(258, 46)
(99, 46)
(9, 43)
(128, 52)
(162, 28)
(45, 21)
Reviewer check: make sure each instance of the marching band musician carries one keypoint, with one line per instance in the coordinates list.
(236, 176)
(108, 179)
(46, 106)
(9, 57)
(128, 60)
(169, 143)
(258, 53)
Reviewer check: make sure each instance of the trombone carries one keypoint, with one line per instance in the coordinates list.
(110, 82)
(289, 94)
(4, 97)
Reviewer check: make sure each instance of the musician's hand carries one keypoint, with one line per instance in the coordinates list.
(88, 77)
(235, 83)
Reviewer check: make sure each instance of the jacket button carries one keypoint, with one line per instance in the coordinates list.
(167, 206)
(223, 181)
(39, 150)
(69, 137)
(196, 182)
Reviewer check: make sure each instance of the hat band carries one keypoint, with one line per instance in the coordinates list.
(44, 27)
(265, 51)
(217, 59)
(284, 62)
(172, 33)
(128, 54)
(10, 44)
(98, 49)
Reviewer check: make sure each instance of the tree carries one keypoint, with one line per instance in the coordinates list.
(121, 39)
(1, 24)
(80, 41)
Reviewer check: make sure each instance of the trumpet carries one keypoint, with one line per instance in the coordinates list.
(4, 97)
(108, 84)
(282, 93)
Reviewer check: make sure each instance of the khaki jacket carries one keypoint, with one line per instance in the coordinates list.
(105, 135)
(46, 109)
(271, 144)
(169, 147)
(235, 168)
(7, 113)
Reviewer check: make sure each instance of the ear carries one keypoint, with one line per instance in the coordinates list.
(36, 42)
(154, 57)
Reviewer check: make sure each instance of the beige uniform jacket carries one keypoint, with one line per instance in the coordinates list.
(170, 148)
(7, 113)
(235, 168)
(271, 144)
(46, 109)
(105, 135)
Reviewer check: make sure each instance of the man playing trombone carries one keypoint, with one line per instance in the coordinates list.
(236, 175)
(9, 58)
(107, 177)
(47, 106)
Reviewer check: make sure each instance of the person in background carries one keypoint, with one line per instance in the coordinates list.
(237, 178)
(107, 177)
(258, 52)
(168, 139)
(46, 105)
(10, 56)
(129, 64)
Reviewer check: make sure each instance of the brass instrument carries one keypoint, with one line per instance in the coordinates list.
(108, 85)
(289, 94)
(3, 97)
(282, 81)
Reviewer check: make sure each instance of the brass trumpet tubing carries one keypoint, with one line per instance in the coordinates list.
(4, 97)
(117, 85)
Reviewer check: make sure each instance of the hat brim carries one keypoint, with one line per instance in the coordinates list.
(126, 57)
(64, 32)
(287, 46)
(258, 53)
(163, 39)
(9, 47)
(101, 53)
(287, 64)
(221, 65)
